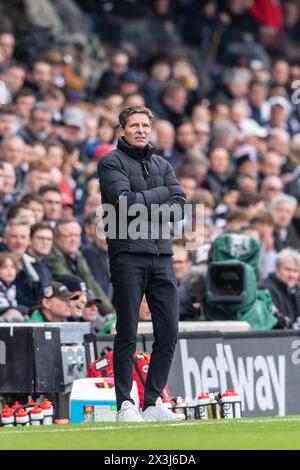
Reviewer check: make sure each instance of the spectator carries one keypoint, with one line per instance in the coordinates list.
(77, 286)
(283, 208)
(39, 127)
(284, 284)
(38, 175)
(41, 241)
(52, 200)
(35, 203)
(95, 253)
(110, 80)
(188, 307)
(20, 210)
(24, 102)
(218, 178)
(67, 258)
(55, 304)
(172, 103)
(271, 186)
(16, 240)
(264, 224)
(8, 122)
(9, 268)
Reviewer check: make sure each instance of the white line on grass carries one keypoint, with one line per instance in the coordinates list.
(148, 426)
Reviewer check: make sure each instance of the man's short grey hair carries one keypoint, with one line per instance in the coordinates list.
(237, 75)
(287, 255)
(16, 222)
(283, 198)
(224, 129)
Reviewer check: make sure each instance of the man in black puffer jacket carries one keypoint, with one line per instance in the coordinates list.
(133, 179)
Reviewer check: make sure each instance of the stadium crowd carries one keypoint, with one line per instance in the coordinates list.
(222, 78)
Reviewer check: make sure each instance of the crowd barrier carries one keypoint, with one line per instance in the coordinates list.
(263, 367)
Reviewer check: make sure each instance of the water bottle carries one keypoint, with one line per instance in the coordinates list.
(22, 418)
(47, 408)
(203, 402)
(7, 417)
(36, 416)
(231, 406)
(88, 416)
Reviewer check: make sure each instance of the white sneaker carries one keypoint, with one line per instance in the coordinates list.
(128, 413)
(160, 413)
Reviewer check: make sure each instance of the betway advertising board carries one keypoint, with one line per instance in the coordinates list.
(264, 368)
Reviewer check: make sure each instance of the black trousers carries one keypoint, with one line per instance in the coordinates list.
(132, 276)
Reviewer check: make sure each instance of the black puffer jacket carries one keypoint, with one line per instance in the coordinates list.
(137, 176)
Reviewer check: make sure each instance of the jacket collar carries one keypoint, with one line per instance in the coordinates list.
(135, 152)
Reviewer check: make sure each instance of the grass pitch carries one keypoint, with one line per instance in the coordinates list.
(239, 434)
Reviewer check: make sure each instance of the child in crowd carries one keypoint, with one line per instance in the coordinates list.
(9, 267)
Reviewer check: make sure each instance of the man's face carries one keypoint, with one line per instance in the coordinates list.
(41, 242)
(13, 152)
(7, 125)
(137, 130)
(41, 73)
(36, 179)
(53, 205)
(40, 123)
(59, 309)
(288, 272)
(17, 238)
(15, 78)
(68, 238)
(283, 214)
(180, 261)
(9, 178)
(24, 105)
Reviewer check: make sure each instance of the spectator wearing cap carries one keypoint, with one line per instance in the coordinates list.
(246, 160)
(55, 304)
(91, 313)
(77, 286)
(280, 110)
(73, 119)
(67, 258)
(129, 82)
(253, 134)
(283, 208)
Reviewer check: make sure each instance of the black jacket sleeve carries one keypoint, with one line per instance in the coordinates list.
(114, 183)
